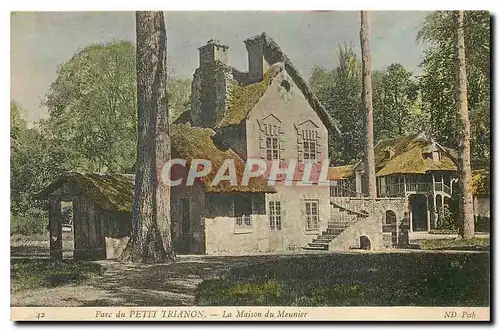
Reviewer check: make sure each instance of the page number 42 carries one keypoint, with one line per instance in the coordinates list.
(40, 315)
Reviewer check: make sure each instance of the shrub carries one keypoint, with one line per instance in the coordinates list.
(447, 222)
(35, 221)
(482, 224)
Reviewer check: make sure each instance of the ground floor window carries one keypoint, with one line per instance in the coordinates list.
(312, 215)
(275, 215)
(243, 210)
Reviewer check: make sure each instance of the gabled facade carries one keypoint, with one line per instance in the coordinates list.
(266, 113)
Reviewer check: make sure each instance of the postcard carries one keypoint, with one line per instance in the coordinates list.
(236, 166)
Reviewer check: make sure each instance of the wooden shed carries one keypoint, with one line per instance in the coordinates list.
(102, 214)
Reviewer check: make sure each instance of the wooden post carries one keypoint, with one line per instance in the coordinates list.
(411, 221)
(55, 225)
(428, 213)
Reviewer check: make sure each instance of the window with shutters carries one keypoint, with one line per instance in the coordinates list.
(312, 215)
(275, 215)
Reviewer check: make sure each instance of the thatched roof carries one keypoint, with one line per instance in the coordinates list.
(405, 155)
(111, 192)
(197, 143)
(481, 183)
(275, 57)
(245, 97)
(341, 172)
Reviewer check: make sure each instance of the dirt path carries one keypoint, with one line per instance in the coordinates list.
(129, 284)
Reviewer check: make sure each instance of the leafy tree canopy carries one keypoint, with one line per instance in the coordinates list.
(437, 82)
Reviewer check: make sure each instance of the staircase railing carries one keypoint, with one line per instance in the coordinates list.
(339, 190)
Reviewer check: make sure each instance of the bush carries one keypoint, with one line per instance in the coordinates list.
(447, 222)
(35, 221)
(482, 224)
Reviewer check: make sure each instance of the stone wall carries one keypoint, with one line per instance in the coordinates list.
(292, 109)
(370, 227)
(294, 233)
(225, 237)
(211, 93)
(376, 226)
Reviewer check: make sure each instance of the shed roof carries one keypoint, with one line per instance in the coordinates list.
(106, 191)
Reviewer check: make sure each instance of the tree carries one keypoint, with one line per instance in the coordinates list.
(366, 96)
(33, 163)
(395, 96)
(339, 90)
(179, 97)
(92, 107)
(437, 82)
(466, 229)
(151, 239)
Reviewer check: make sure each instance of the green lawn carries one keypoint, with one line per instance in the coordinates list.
(37, 273)
(473, 244)
(382, 279)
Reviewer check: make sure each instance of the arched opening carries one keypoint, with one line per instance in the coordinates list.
(390, 217)
(364, 243)
(391, 226)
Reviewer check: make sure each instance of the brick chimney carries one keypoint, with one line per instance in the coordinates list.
(211, 84)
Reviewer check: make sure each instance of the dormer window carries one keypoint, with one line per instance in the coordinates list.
(436, 155)
(286, 85)
(389, 153)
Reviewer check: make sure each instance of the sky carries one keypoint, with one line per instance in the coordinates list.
(42, 41)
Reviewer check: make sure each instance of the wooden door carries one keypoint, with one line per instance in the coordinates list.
(185, 225)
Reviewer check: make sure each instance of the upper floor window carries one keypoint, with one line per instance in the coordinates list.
(275, 215)
(272, 148)
(271, 138)
(308, 141)
(309, 149)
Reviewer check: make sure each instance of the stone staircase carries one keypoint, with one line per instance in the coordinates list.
(341, 218)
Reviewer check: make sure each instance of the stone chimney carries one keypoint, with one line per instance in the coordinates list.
(212, 52)
(211, 84)
(257, 64)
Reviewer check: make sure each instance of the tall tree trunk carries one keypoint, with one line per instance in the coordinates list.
(151, 239)
(369, 158)
(466, 212)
